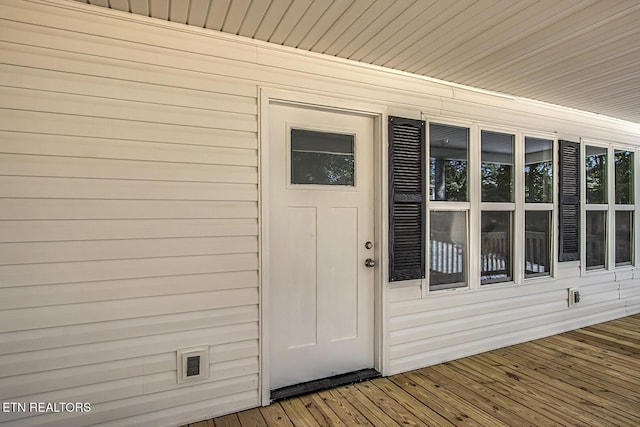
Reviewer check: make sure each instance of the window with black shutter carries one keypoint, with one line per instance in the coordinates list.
(569, 202)
(407, 194)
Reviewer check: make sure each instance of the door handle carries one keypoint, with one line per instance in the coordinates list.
(369, 263)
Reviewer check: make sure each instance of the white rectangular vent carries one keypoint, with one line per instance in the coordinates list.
(193, 364)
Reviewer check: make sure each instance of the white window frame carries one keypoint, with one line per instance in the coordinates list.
(552, 207)
(610, 207)
(517, 251)
(474, 206)
(623, 207)
(433, 205)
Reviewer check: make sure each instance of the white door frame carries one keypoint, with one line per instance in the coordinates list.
(268, 96)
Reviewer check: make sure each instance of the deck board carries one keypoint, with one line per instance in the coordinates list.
(590, 376)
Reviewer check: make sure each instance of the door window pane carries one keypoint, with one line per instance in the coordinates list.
(596, 174)
(624, 177)
(538, 170)
(537, 243)
(448, 159)
(447, 249)
(495, 250)
(497, 167)
(321, 158)
(624, 237)
(596, 239)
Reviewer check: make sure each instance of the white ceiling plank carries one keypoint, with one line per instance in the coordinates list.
(625, 101)
(348, 18)
(585, 50)
(555, 34)
(140, 7)
(121, 5)
(255, 14)
(217, 14)
(523, 24)
(159, 9)
(350, 36)
(307, 22)
(290, 19)
(272, 18)
(198, 12)
(235, 16)
(587, 78)
(466, 43)
(597, 63)
(388, 16)
(578, 74)
(103, 3)
(373, 46)
(324, 23)
(413, 42)
(179, 11)
(460, 23)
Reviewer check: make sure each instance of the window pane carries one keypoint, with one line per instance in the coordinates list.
(624, 237)
(624, 177)
(321, 158)
(447, 249)
(495, 250)
(497, 167)
(448, 159)
(596, 239)
(596, 173)
(537, 243)
(538, 170)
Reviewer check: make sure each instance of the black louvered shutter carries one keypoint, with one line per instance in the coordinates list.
(406, 199)
(569, 201)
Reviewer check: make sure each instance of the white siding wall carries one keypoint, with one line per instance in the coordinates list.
(129, 215)
(445, 327)
(128, 225)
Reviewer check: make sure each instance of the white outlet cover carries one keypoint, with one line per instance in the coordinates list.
(572, 297)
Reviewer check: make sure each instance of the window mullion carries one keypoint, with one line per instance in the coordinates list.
(518, 225)
(611, 211)
(583, 208)
(538, 206)
(475, 187)
(497, 206)
(636, 197)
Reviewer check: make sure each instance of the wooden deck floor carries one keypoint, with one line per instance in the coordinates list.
(588, 377)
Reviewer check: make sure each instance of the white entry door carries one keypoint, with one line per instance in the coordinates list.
(320, 222)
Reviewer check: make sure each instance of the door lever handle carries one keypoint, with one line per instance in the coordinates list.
(369, 262)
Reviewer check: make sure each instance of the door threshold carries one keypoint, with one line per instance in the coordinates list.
(323, 384)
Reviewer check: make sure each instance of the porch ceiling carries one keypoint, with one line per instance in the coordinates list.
(583, 54)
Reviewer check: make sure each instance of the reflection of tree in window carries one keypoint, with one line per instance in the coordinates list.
(448, 160)
(448, 179)
(321, 158)
(538, 179)
(322, 169)
(496, 182)
(496, 166)
(596, 175)
(624, 177)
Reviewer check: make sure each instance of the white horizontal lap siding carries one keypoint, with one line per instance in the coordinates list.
(128, 224)
(445, 327)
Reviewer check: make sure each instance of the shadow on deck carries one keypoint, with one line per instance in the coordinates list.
(587, 377)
